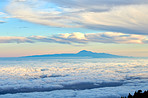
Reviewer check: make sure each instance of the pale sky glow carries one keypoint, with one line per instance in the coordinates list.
(29, 27)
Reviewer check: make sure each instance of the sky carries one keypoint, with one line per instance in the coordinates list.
(34, 27)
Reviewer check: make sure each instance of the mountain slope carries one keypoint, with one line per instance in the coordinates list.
(82, 53)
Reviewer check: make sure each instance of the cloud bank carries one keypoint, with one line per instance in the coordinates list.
(117, 16)
(77, 37)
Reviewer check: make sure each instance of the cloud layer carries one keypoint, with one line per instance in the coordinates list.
(118, 16)
(77, 37)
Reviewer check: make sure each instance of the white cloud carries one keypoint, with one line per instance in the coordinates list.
(128, 17)
(77, 37)
(25, 11)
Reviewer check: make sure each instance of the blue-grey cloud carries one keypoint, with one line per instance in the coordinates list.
(88, 3)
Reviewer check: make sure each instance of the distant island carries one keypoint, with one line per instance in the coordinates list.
(83, 53)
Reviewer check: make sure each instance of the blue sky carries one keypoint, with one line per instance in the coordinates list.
(29, 27)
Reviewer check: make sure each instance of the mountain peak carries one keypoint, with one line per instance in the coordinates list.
(85, 52)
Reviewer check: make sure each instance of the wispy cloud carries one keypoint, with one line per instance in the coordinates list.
(3, 16)
(15, 40)
(113, 37)
(117, 16)
(28, 11)
(77, 37)
(2, 21)
(84, 3)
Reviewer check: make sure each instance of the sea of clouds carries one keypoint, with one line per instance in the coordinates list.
(64, 78)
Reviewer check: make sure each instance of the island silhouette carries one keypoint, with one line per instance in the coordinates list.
(83, 53)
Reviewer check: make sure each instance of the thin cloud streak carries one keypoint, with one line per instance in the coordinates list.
(2, 21)
(77, 37)
(3, 16)
(15, 40)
